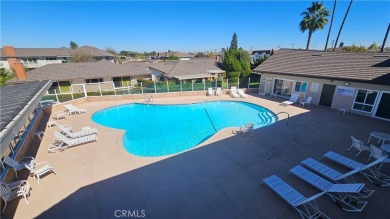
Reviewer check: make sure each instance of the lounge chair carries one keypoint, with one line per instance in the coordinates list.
(210, 91)
(218, 91)
(13, 190)
(41, 169)
(356, 143)
(148, 99)
(20, 164)
(371, 172)
(72, 109)
(62, 142)
(377, 153)
(247, 128)
(83, 132)
(306, 207)
(242, 93)
(233, 92)
(59, 115)
(293, 99)
(307, 101)
(339, 193)
(336, 176)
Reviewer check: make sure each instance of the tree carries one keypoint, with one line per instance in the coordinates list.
(210, 55)
(124, 53)
(109, 49)
(81, 56)
(236, 61)
(173, 57)
(341, 45)
(73, 45)
(200, 55)
(373, 48)
(234, 42)
(331, 23)
(5, 75)
(342, 24)
(314, 18)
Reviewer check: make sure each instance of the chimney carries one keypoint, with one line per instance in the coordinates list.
(15, 64)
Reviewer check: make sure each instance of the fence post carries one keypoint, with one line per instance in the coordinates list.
(181, 87)
(204, 84)
(71, 92)
(85, 91)
(238, 83)
(55, 92)
(167, 86)
(142, 88)
(192, 81)
(128, 88)
(155, 89)
(249, 82)
(227, 83)
(100, 89)
(216, 79)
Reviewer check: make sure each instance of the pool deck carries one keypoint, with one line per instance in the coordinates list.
(221, 178)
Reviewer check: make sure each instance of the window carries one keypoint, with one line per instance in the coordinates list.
(50, 58)
(364, 100)
(300, 86)
(121, 81)
(94, 80)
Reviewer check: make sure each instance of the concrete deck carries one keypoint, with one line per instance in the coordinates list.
(218, 179)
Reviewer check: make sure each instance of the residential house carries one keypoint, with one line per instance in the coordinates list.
(359, 82)
(37, 57)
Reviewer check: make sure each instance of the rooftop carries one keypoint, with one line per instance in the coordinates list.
(218, 179)
(361, 67)
(56, 52)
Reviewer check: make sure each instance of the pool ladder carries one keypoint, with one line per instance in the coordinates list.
(288, 115)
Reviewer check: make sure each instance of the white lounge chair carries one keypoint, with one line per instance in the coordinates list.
(71, 109)
(13, 190)
(356, 143)
(83, 132)
(371, 172)
(336, 176)
(148, 99)
(210, 91)
(242, 93)
(306, 207)
(218, 91)
(41, 169)
(304, 102)
(293, 99)
(62, 142)
(233, 92)
(339, 193)
(59, 115)
(377, 153)
(20, 164)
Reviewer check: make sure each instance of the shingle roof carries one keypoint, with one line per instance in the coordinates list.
(14, 98)
(57, 52)
(37, 52)
(92, 50)
(194, 68)
(71, 71)
(364, 67)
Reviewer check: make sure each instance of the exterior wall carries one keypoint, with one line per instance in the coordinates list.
(155, 75)
(4, 64)
(339, 101)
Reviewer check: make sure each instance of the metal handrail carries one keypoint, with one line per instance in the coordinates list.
(288, 115)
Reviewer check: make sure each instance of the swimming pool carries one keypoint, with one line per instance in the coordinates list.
(158, 130)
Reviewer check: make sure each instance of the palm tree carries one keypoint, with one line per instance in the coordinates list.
(331, 22)
(342, 24)
(315, 17)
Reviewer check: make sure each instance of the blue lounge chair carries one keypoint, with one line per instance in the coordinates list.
(339, 193)
(371, 172)
(306, 207)
(336, 176)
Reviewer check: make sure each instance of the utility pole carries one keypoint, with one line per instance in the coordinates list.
(332, 43)
(292, 46)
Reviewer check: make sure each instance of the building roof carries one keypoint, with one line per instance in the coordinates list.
(71, 71)
(261, 51)
(38, 52)
(95, 52)
(360, 67)
(17, 103)
(56, 52)
(191, 69)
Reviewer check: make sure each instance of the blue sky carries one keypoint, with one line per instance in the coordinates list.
(183, 25)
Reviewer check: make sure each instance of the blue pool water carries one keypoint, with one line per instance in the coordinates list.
(157, 130)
